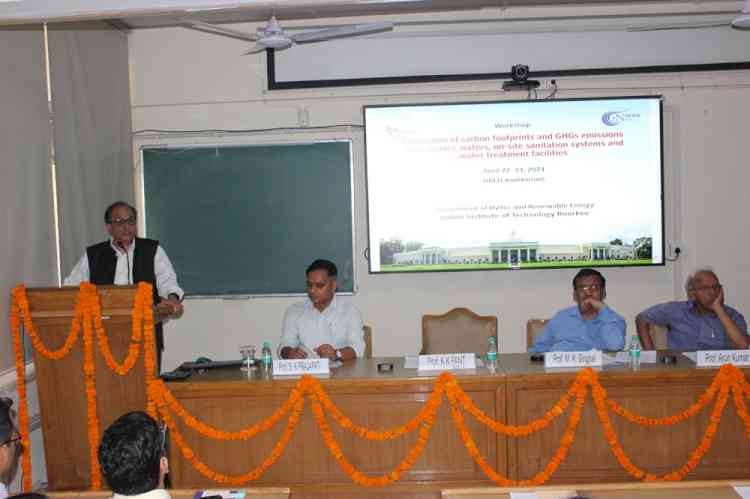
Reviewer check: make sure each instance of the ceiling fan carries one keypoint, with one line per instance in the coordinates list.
(272, 36)
(741, 22)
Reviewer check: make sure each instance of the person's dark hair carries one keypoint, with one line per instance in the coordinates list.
(29, 495)
(589, 272)
(6, 419)
(326, 265)
(130, 453)
(108, 211)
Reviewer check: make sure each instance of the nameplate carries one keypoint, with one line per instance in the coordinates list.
(716, 358)
(591, 358)
(290, 367)
(447, 362)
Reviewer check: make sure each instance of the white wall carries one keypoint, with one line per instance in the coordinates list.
(184, 80)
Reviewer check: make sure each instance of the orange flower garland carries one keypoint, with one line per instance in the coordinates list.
(254, 474)
(356, 475)
(101, 336)
(430, 407)
(158, 391)
(21, 305)
(89, 370)
(557, 459)
(23, 404)
(695, 457)
(87, 311)
(160, 402)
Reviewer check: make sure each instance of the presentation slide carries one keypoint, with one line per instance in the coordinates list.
(515, 184)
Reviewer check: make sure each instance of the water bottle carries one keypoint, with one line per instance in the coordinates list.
(634, 352)
(266, 360)
(491, 350)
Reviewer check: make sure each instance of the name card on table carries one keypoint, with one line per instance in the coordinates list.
(591, 358)
(291, 367)
(447, 362)
(717, 358)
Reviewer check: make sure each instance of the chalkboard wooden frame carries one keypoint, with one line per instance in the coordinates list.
(308, 185)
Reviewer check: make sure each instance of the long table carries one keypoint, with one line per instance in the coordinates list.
(517, 392)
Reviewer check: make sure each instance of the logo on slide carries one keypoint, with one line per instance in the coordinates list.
(614, 118)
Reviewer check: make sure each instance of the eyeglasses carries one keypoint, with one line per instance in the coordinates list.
(123, 221)
(589, 287)
(715, 287)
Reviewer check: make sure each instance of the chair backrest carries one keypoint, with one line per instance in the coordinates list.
(534, 328)
(459, 330)
(658, 336)
(367, 330)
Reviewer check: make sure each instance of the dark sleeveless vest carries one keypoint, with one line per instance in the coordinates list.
(103, 261)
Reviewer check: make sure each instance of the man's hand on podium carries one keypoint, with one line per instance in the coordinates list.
(170, 307)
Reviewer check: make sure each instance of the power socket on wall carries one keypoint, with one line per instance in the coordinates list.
(674, 250)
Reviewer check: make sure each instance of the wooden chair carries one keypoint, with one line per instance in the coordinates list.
(534, 328)
(459, 330)
(368, 342)
(658, 336)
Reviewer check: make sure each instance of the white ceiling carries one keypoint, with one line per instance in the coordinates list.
(152, 13)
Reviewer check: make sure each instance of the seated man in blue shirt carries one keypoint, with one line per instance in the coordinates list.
(590, 325)
(702, 322)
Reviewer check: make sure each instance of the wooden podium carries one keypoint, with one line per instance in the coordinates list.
(61, 382)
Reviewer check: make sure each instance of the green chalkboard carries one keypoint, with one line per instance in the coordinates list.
(248, 220)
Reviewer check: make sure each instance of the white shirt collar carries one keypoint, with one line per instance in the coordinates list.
(331, 306)
(118, 249)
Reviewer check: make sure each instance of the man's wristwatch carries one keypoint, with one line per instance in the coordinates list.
(338, 355)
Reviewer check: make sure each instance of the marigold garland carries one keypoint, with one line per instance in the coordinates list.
(253, 474)
(356, 475)
(695, 456)
(429, 407)
(159, 392)
(137, 329)
(21, 305)
(23, 404)
(87, 312)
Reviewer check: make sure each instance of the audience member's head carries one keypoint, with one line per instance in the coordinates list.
(132, 454)
(10, 441)
(28, 495)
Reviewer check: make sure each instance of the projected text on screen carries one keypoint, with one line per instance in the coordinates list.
(515, 184)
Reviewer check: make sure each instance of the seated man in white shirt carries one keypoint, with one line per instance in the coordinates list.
(126, 259)
(133, 457)
(10, 446)
(322, 325)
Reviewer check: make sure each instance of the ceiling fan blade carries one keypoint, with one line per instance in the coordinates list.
(342, 31)
(220, 30)
(636, 29)
(258, 47)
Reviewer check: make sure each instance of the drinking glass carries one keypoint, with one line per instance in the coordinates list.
(248, 357)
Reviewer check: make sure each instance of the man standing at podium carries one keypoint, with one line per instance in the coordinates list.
(590, 324)
(126, 259)
(322, 325)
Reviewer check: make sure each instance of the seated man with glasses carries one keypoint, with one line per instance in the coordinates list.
(702, 322)
(133, 457)
(126, 259)
(10, 446)
(589, 325)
